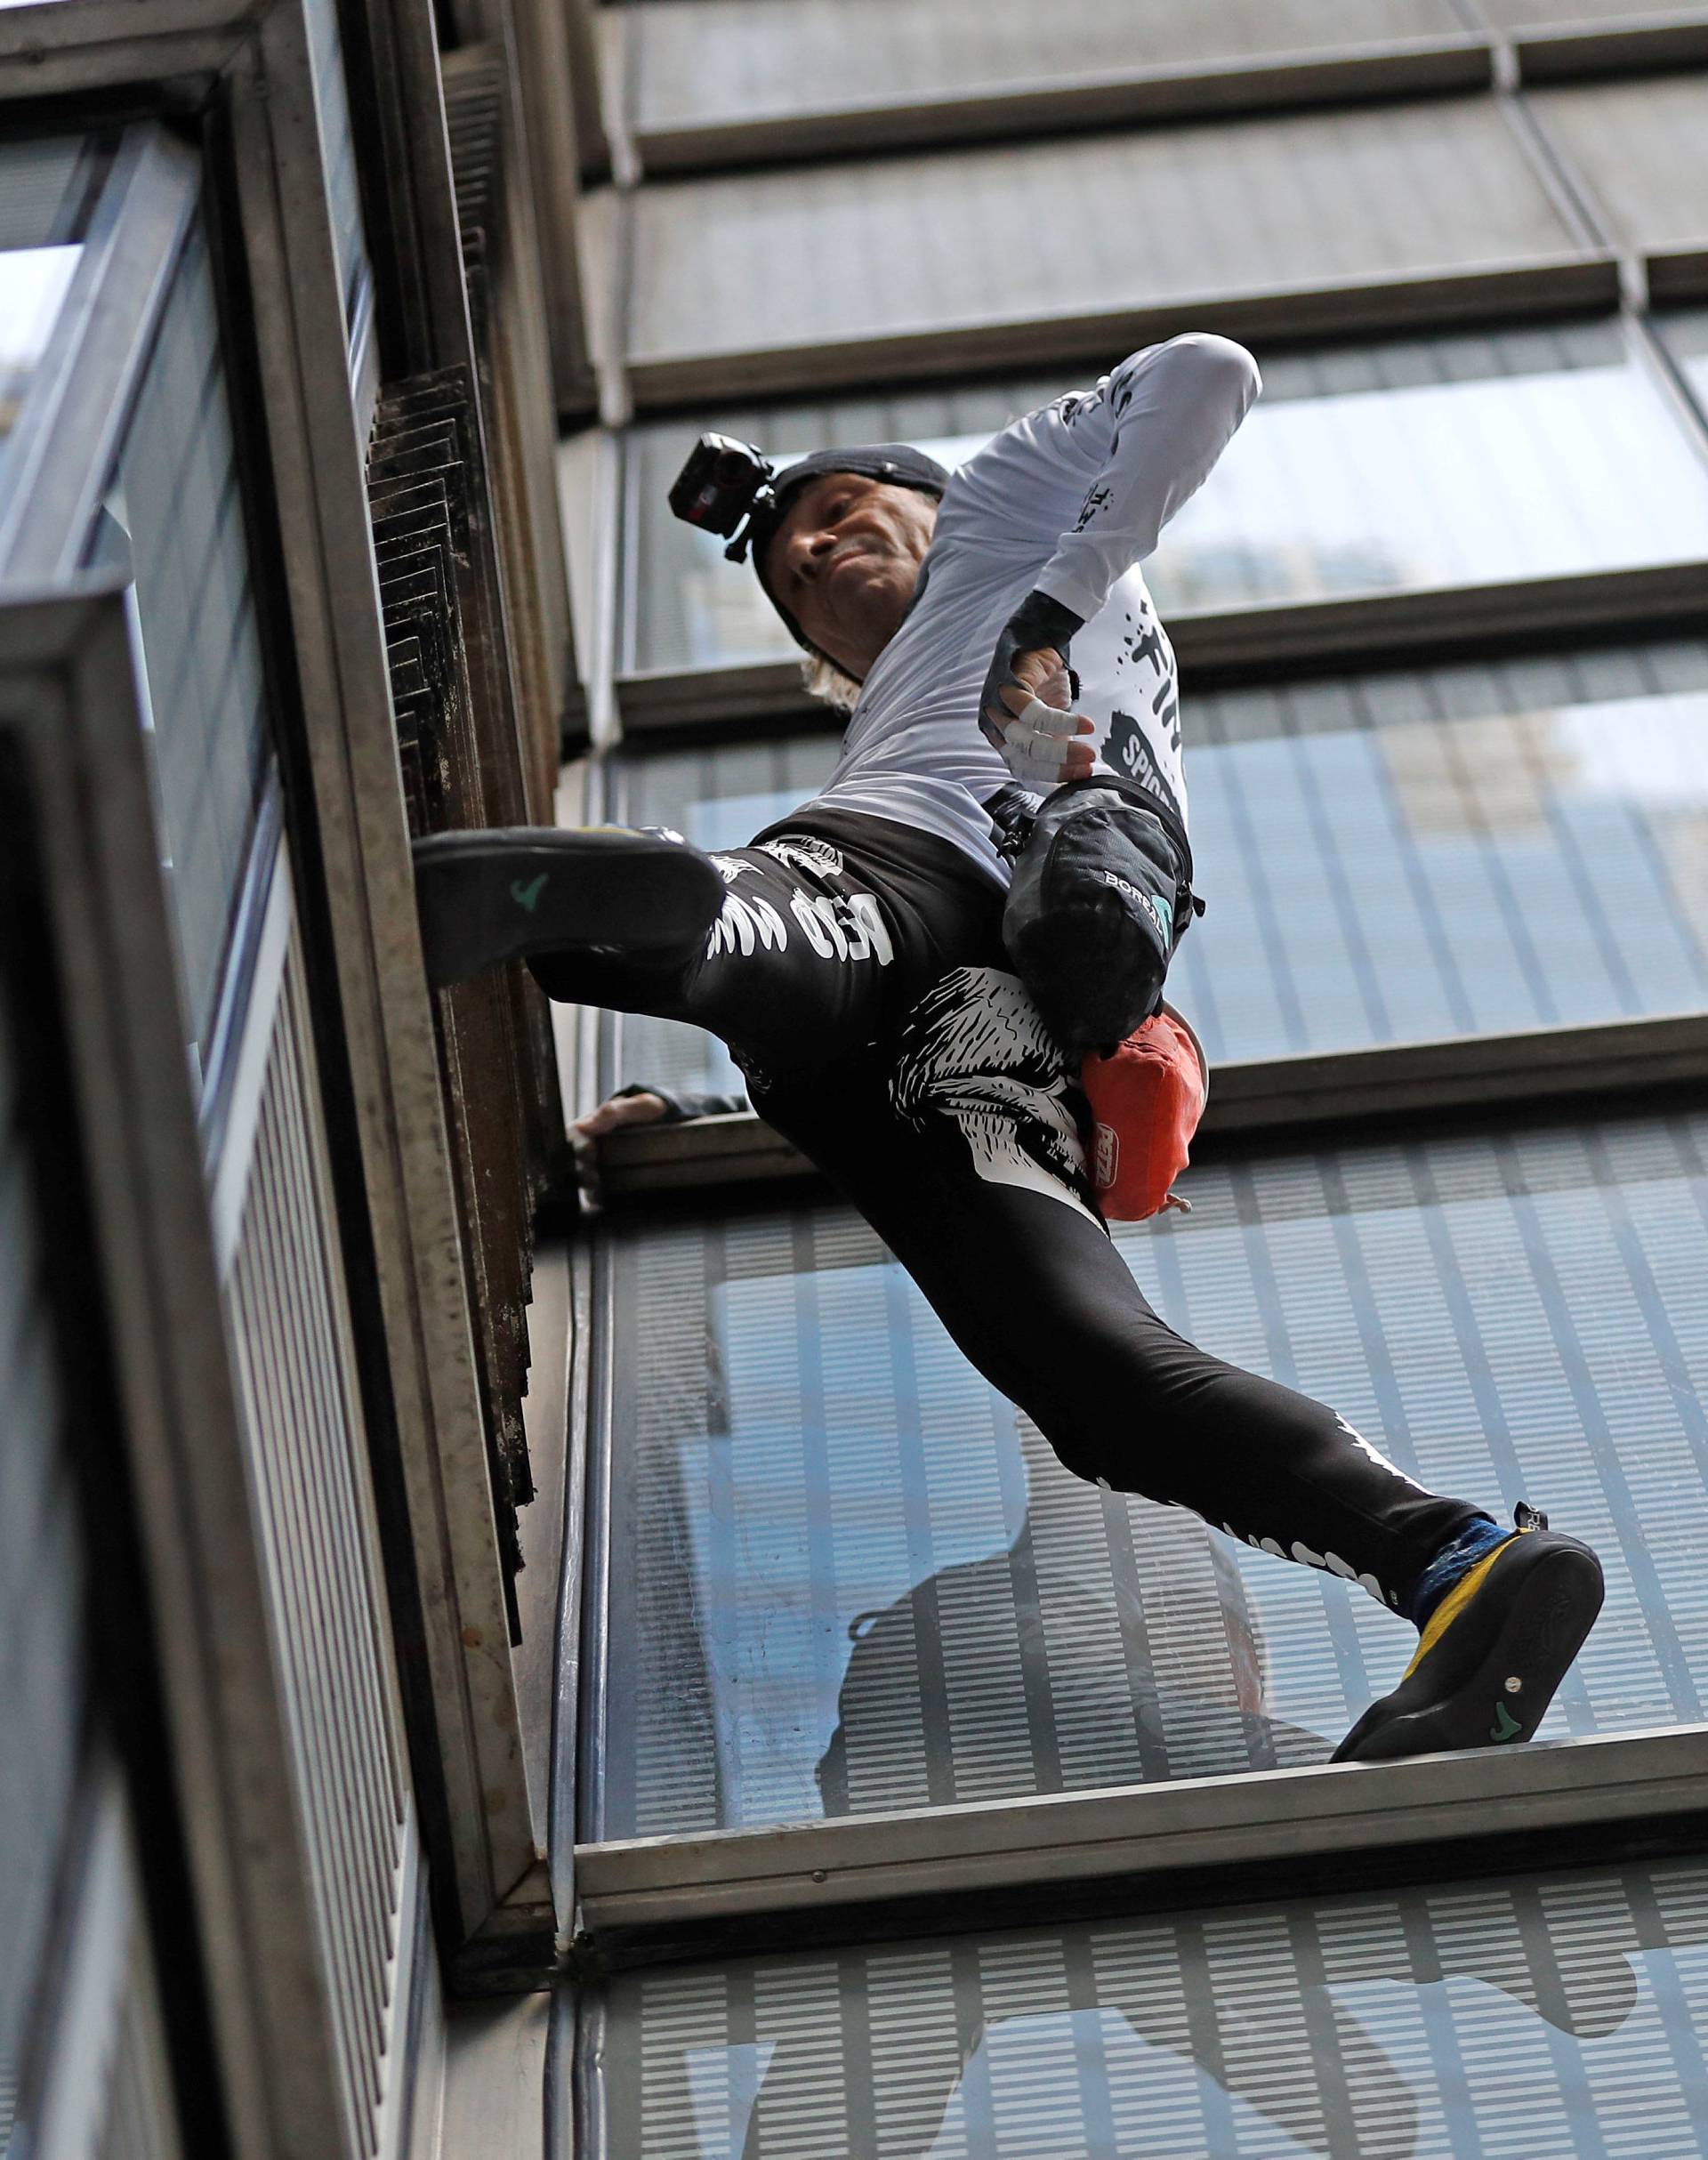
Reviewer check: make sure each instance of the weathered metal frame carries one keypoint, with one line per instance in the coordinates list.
(1573, 281)
(984, 1863)
(489, 1876)
(1254, 1096)
(489, 1885)
(69, 662)
(1415, 68)
(1553, 52)
(1231, 645)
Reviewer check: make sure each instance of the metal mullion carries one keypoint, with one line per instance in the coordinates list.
(579, 1782)
(1668, 37)
(1608, 1059)
(1404, 1819)
(79, 400)
(1179, 90)
(50, 49)
(1570, 279)
(481, 1843)
(1231, 645)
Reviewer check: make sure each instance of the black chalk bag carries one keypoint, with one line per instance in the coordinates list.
(1100, 899)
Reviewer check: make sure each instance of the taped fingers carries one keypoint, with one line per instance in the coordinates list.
(1042, 743)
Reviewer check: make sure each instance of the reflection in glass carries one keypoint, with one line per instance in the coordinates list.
(33, 284)
(1458, 461)
(47, 190)
(175, 512)
(1562, 2015)
(847, 1577)
(1387, 858)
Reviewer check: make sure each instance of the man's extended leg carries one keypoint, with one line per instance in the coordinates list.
(785, 950)
(961, 1155)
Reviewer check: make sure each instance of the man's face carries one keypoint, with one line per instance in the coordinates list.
(845, 560)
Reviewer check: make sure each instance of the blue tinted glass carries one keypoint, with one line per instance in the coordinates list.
(1451, 462)
(847, 1576)
(1387, 858)
(1558, 2016)
(338, 150)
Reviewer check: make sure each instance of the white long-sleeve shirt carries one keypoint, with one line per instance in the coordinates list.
(1071, 500)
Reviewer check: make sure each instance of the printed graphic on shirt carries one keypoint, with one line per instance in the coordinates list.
(974, 1051)
(842, 928)
(1128, 750)
(746, 924)
(818, 857)
(836, 928)
(1099, 499)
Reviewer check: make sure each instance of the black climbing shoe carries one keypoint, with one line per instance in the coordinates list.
(500, 894)
(1492, 1652)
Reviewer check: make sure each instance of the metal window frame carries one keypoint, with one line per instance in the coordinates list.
(1564, 51)
(1610, 1061)
(1183, 1843)
(67, 665)
(1231, 644)
(1221, 647)
(1569, 280)
(251, 69)
(992, 1863)
(1182, 89)
(490, 1887)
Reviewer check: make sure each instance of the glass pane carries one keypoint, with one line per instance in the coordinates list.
(847, 1576)
(174, 512)
(720, 60)
(1036, 229)
(47, 190)
(1558, 2016)
(1387, 858)
(338, 157)
(1457, 461)
(1643, 147)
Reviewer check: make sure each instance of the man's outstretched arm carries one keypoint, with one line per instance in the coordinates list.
(1141, 446)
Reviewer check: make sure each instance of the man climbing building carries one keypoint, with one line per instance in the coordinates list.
(853, 958)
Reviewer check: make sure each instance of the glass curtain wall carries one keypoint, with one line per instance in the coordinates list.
(841, 1576)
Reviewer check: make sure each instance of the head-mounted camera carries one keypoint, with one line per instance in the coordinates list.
(723, 483)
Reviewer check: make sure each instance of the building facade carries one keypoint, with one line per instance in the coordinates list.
(503, 1656)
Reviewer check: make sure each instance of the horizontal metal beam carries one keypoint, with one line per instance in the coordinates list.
(52, 48)
(807, 1872)
(1577, 279)
(1252, 1096)
(1670, 37)
(1677, 274)
(1230, 644)
(1185, 90)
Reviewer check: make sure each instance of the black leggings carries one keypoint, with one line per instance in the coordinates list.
(857, 975)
